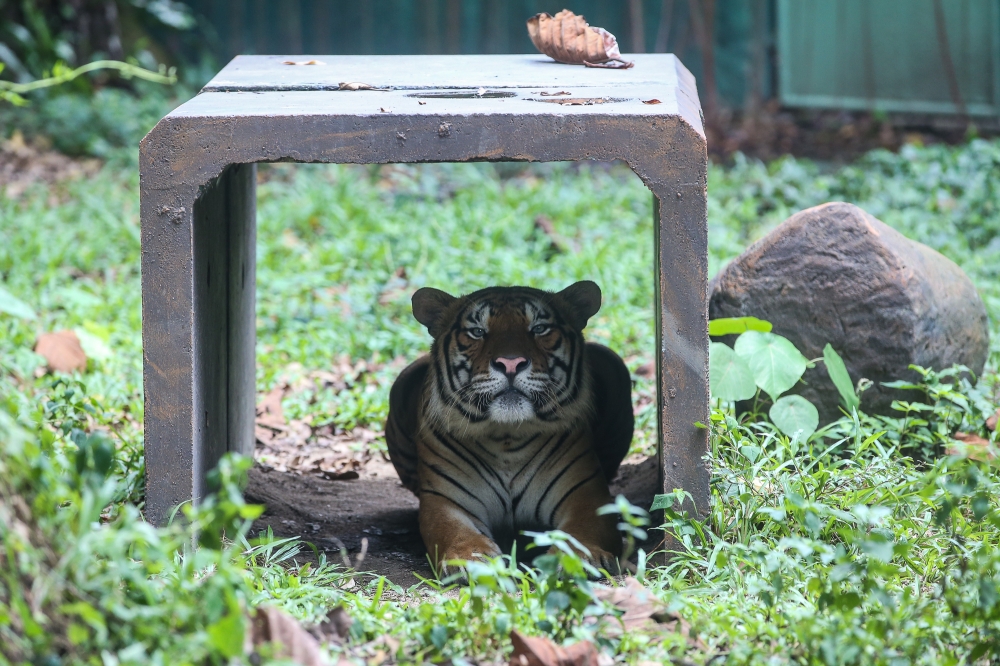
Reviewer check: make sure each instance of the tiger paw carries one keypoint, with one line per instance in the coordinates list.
(600, 559)
(474, 548)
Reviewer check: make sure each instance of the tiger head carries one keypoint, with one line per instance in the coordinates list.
(508, 355)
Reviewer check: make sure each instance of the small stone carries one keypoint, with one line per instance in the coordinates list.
(835, 274)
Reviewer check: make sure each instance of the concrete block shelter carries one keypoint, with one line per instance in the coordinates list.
(198, 210)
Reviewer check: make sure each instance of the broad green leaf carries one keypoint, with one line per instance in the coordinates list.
(93, 346)
(661, 502)
(729, 377)
(794, 415)
(9, 304)
(880, 549)
(556, 601)
(841, 379)
(439, 636)
(775, 362)
(226, 635)
(736, 325)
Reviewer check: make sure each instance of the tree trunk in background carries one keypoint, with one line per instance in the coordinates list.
(703, 22)
(637, 26)
(663, 30)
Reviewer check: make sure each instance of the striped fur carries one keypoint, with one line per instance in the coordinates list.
(512, 422)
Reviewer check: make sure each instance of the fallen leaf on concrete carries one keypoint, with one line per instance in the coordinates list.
(538, 651)
(384, 110)
(991, 422)
(545, 93)
(975, 447)
(286, 635)
(355, 85)
(651, 101)
(580, 101)
(567, 38)
(421, 103)
(62, 351)
(303, 62)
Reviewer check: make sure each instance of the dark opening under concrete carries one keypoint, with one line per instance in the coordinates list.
(378, 508)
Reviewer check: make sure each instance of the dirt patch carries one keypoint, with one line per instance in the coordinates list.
(376, 507)
(23, 165)
(833, 135)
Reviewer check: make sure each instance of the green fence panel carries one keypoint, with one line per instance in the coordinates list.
(391, 27)
(916, 56)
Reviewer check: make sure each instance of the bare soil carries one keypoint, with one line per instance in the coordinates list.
(376, 507)
(23, 164)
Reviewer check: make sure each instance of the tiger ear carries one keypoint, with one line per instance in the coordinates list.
(428, 307)
(584, 300)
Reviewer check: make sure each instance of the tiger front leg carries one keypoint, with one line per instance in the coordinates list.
(598, 534)
(451, 533)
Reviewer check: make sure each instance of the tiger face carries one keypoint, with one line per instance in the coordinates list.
(508, 355)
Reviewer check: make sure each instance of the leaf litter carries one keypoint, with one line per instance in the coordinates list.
(316, 446)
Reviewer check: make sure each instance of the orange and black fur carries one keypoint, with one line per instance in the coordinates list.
(512, 422)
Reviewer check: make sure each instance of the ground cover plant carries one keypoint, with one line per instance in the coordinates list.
(873, 540)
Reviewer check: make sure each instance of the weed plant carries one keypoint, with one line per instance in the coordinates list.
(874, 540)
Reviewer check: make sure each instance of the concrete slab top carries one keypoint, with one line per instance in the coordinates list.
(257, 73)
(446, 87)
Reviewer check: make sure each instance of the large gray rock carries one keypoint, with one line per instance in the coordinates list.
(836, 274)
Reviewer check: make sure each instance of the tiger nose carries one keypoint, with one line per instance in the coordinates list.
(510, 366)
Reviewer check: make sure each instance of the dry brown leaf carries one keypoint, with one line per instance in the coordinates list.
(991, 422)
(62, 351)
(646, 370)
(975, 447)
(290, 640)
(336, 628)
(578, 101)
(544, 224)
(538, 651)
(349, 475)
(545, 93)
(269, 411)
(651, 101)
(384, 110)
(303, 62)
(421, 103)
(642, 610)
(355, 85)
(567, 38)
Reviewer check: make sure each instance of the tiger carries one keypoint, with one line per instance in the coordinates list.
(512, 422)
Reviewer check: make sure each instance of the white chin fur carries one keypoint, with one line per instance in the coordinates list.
(511, 409)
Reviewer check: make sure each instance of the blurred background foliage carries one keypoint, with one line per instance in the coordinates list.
(828, 79)
(101, 113)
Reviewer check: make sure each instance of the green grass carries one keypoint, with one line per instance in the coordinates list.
(850, 548)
